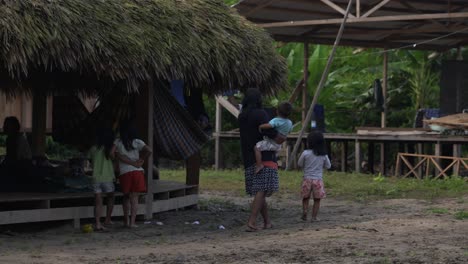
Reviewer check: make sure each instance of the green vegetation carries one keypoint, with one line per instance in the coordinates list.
(361, 187)
(439, 211)
(461, 215)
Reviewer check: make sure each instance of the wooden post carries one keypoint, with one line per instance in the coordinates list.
(420, 148)
(456, 153)
(217, 133)
(383, 163)
(383, 118)
(321, 83)
(370, 157)
(192, 169)
(344, 156)
(357, 156)
(306, 77)
(144, 110)
(39, 123)
(397, 167)
(437, 152)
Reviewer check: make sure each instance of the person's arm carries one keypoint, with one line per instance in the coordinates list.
(327, 163)
(112, 152)
(145, 152)
(125, 159)
(300, 162)
(265, 126)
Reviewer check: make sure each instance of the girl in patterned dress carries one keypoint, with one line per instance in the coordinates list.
(313, 160)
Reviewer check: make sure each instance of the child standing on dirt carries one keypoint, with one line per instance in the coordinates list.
(282, 125)
(101, 156)
(131, 152)
(313, 160)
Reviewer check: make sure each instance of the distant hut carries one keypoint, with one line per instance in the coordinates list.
(115, 50)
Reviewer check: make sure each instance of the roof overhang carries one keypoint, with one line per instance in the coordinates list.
(417, 24)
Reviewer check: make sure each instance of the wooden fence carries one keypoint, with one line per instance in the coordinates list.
(429, 165)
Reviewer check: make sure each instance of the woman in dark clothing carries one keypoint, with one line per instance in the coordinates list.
(266, 181)
(15, 168)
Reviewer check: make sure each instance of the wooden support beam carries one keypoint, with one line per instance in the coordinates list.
(419, 150)
(297, 90)
(457, 151)
(258, 7)
(39, 123)
(226, 104)
(375, 8)
(365, 20)
(218, 125)
(370, 157)
(144, 110)
(336, 7)
(192, 167)
(384, 89)
(305, 78)
(357, 156)
(358, 8)
(344, 156)
(322, 82)
(383, 163)
(437, 152)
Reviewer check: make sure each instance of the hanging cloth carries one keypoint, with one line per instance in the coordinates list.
(68, 115)
(378, 95)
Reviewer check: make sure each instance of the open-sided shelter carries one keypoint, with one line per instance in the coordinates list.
(126, 48)
(437, 25)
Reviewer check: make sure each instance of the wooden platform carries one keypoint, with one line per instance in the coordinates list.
(39, 207)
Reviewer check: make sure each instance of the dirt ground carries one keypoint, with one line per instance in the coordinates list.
(390, 231)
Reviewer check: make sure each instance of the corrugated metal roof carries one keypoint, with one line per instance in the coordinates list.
(435, 24)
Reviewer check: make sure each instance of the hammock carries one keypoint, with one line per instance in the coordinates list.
(176, 134)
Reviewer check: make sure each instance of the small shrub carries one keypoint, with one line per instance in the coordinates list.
(461, 215)
(438, 210)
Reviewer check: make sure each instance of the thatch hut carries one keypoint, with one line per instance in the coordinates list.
(129, 48)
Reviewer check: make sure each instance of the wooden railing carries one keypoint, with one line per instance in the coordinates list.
(429, 165)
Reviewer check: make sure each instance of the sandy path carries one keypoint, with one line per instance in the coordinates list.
(390, 231)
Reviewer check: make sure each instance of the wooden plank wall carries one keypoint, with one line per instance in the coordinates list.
(21, 107)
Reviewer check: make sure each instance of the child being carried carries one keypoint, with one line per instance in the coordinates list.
(282, 125)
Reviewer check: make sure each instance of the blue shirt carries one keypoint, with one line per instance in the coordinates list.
(282, 125)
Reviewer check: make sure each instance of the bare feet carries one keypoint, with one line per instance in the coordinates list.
(100, 229)
(251, 228)
(268, 226)
(304, 217)
(108, 223)
(258, 168)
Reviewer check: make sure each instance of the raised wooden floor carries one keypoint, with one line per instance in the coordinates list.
(38, 207)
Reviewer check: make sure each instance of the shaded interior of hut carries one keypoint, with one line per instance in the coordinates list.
(71, 126)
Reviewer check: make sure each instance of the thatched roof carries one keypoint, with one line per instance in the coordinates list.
(69, 44)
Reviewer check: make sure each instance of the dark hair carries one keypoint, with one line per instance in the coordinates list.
(252, 100)
(11, 125)
(284, 109)
(105, 139)
(128, 133)
(316, 143)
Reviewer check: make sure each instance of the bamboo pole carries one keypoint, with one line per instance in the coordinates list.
(320, 86)
(306, 76)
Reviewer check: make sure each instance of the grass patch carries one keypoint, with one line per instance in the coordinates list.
(438, 210)
(461, 215)
(361, 187)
